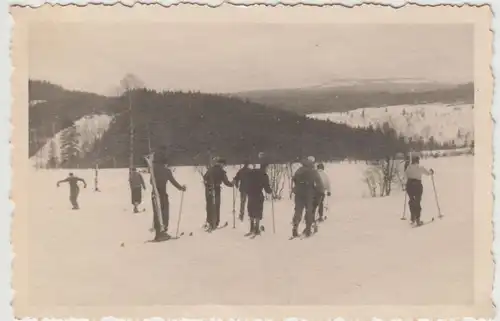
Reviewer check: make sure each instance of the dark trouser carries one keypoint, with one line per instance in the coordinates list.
(255, 211)
(212, 197)
(414, 189)
(73, 197)
(136, 195)
(164, 207)
(243, 201)
(255, 206)
(303, 202)
(319, 199)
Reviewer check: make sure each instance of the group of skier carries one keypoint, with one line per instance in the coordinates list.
(310, 186)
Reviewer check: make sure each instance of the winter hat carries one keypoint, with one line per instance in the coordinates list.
(160, 158)
(220, 161)
(309, 161)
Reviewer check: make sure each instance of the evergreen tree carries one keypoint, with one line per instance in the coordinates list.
(70, 149)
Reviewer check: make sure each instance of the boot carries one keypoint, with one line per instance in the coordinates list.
(161, 236)
(307, 231)
(417, 219)
(252, 227)
(257, 227)
(294, 232)
(136, 210)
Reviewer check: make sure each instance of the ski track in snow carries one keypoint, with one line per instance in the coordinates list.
(363, 254)
(441, 121)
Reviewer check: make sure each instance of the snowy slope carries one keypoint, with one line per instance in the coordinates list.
(446, 123)
(363, 254)
(90, 129)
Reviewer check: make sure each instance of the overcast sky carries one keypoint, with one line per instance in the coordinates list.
(214, 57)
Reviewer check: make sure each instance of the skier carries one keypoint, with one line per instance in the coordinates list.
(74, 189)
(136, 183)
(241, 182)
(414, 187)
(258, 180)
(306, 183)
(319, 198)
(96, 178)
(163, 175)
(213, 178)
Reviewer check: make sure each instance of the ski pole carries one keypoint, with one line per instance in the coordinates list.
(180, 215)
(436, 197)
(234, 210)
(272, 213)
(404, 207)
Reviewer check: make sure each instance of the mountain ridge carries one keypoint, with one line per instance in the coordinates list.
(359, 94)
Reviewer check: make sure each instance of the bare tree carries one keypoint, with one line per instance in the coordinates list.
(290, 169)
(127, 85)
(277, 177)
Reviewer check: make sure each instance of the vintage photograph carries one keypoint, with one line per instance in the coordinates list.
(251, 163)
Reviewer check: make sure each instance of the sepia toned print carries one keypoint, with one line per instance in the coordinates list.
(252, 162)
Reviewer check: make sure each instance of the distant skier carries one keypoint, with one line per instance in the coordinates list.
(241, 182)
(136, 183)
(96, 178)
(258, 181)
(163, 175)
(414, 187)
(213, 178)
(321, 193)
(74, 189)
(306, 183)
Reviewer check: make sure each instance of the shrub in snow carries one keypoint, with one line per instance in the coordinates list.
(381, 175)
(278, 174)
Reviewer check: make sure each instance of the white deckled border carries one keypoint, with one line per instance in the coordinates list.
(6, 312)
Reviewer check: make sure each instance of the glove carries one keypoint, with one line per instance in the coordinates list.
(329, 194)
(183, 188)
(432, 171)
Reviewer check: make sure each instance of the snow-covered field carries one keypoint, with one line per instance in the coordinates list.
(363, 254)
(446, 123)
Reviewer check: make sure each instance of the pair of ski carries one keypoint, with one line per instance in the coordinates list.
(166, 237)
(157, 206)
(425, 223)
(217, 228)
(314, 230)
(252, 235)
(303, 236)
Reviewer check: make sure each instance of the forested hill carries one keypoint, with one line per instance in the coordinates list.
(195, 125)
(53, 109)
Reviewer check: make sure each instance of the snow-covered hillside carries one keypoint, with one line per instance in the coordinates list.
(446, 123)
(90, 129)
